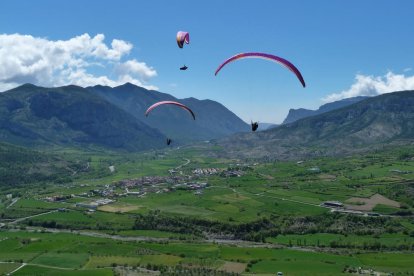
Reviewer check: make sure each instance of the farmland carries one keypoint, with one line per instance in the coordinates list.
(74, 253)
(213, 216)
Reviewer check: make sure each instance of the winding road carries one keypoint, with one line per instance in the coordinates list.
(182, 165)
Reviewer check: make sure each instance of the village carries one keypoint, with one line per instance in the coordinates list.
(139, 187)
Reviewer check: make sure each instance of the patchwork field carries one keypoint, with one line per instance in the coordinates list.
(265, 220)
(233, 267)
(8, 267)
(118, 208)
(368, 204)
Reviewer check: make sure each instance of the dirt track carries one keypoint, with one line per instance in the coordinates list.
(367, 204)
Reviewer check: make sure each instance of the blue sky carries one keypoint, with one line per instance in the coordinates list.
(342, 48)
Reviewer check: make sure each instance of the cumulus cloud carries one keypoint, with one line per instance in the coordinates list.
(28, 59)
(373, 86)
(134, 67)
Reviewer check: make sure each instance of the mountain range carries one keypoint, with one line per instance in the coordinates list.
(113, 118)
(381, 120)
(69, 116)
(297, 114)
(213, 120)
(107, 117)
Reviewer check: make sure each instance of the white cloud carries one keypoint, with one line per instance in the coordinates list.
(372, 86)
(138, 68)
(28, 59)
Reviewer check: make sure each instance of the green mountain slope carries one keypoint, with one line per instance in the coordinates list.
(19, 166)
(213, 120)
(70, 116)
(384, 119)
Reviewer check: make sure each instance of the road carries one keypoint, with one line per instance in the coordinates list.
(14, 200)
(182, 165)
(21, 266)
(268, 196)
(359, 213)
(22, 219)
(31, 264)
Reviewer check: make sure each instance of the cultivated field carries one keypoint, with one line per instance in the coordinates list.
(250, 218)
(368, 204)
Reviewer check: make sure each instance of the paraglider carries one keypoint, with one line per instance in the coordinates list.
(152, 107)
(183, 38)
(270, 57)
(169, 103)
(282, 61)
(255, 125)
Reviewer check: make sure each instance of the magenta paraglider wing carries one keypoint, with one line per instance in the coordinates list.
(169, 102)
(270, 57)
(183, 37)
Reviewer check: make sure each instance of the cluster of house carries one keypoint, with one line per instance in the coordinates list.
(206, 171)
(158, 184)
(152, 180)
(197, 187)
(339, 207)
(56, 198)
(94, 204)
(235, 171)
(232, 173)
(107, 191)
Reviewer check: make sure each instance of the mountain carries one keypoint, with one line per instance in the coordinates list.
(265, 126)
(19, 166)
(382, 120)
(297, 114)
(213, 120)
(70, 116)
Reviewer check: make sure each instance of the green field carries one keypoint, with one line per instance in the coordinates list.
(64, 260)
(8, 267)
(69, 253)
(271, 204)
(349, 241)
(36, 270)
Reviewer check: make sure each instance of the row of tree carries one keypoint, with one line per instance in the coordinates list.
(263, 228)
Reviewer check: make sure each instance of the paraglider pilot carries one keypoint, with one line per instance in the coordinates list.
(255, 125)
(169, 141)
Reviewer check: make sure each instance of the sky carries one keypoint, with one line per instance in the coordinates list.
(342, 48)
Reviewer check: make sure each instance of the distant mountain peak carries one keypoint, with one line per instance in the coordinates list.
(99, 86)
(72, 86)
(300, 113)
(213, 119)
(71, 116)
(130, 86)
(28, 85)
(387, 119)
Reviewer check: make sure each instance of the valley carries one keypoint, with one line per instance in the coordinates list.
(176, 210)
(206, 138)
